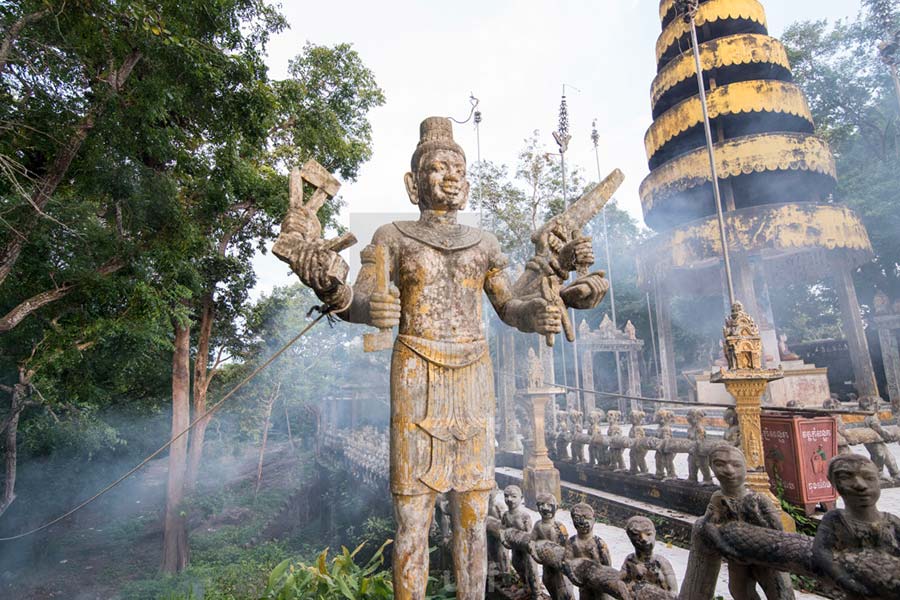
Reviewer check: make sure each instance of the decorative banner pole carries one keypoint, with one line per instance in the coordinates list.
(562, 137)
(595, 138)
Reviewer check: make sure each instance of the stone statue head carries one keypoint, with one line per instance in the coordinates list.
(512, 495)
(437, 177)
(583, 517)
(614, 416)
(637, 417)
(642, 533)
(856, 479)
(664, 416)
(869, 402)
(695, 416)
(546, 505)
(730, 417)
(729, 466)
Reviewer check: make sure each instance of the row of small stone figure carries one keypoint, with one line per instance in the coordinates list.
(874, 436)
(582, 559)
(608, 450)
(367, 450)
(855, 554)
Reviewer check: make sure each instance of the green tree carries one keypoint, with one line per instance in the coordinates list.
(855, 108)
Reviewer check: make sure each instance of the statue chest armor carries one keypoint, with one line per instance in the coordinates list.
(441, 281)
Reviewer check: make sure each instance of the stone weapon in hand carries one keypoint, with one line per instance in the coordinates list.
(301, 226)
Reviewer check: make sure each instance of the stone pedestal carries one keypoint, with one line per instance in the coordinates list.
(747, 386)
(539, 474)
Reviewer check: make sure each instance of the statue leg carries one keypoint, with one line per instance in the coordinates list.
(704, 468)
(660, 459)
(741, 583)
(413, 515)
(693, 468)
(890, 463)
(775, 584)
(469, 510)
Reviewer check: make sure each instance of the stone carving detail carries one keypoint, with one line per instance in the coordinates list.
(549, 529)
(616, 452)
(535, 371)
(698, 461)
(643, 568)
(637, 455)
(665, 456)
(743, 344)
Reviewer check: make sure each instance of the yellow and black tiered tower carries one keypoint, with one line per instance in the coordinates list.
(776, 180)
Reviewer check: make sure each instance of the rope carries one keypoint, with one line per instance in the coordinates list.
(181, 434)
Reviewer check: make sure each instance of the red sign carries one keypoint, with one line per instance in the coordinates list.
(797, 451)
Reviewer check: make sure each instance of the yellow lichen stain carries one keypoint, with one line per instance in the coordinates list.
(754, 153)
(735, 98)
(723, 52)
(710, 12)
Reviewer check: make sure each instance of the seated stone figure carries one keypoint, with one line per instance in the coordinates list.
(736, 503)
(644, 568)
(732, 433)
(858, 547)
(549, 529)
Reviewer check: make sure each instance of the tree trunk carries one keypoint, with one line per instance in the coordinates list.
(202, 377)
(175, 542)
(10, 452)
(13, 33)
(265, 438)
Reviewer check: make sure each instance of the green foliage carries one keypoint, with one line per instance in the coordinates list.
(344, 579)
(855, 107)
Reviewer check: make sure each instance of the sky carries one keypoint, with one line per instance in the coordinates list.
(515, 57)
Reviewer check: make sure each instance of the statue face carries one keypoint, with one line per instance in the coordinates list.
(642, 538)
(729, 468)
(547, 509)
(583, 522)
(440, 183)
(513, 497)
(860, 488)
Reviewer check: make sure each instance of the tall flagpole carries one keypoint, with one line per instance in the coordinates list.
(595, 138)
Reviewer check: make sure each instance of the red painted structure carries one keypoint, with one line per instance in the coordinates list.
(797, 450)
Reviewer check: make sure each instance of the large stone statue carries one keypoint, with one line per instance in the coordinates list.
(643, 567)
(427, 277)
(549, 529)
(858, 547)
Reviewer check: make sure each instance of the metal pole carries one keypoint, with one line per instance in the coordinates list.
(689, 17)
(595, 137)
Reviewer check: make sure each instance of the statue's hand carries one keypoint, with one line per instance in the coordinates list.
(319, 268)
(545, 317)
(385, 308)
(577, 253)
(585, 292)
